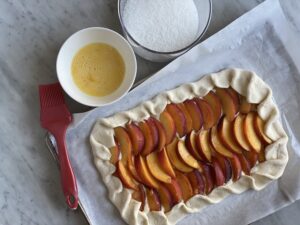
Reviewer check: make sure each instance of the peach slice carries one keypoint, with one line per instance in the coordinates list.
(175, 190)
(115, 154)
(217, 144)
(219, 175)
(197, 182)
(250, 133)
(236, 97)
(124, 142)
(239, 134)
(226, 134)
(149, 141)
(153, 130)
(209, 178)
(195, 114)
(261, 156)
(236, 168)
(165, 163)
(125, 176)
(144, 172)
(190, 142)
(185, 155)
(168, 123)
(179, 118)
(245, 106)
(153, 200)
(215, 104)
(185, 186)
(174, 158)
(136, 137)
(165, 198)
(225, 166)
(161, 135)
(251, 157)
(253, 107)
(259, 126)
(203, 144)
(188, 118)
(140, 196)
(207, 113)
(244, 164)
(132, 169)
(229, 105)
(155, 168)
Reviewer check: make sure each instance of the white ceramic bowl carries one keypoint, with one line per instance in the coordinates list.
(81, 39)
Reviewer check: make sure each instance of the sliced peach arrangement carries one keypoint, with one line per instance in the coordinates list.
(156, 168)
(189, 149)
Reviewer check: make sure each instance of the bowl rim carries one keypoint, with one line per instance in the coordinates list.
(195, 42)
(132, 80)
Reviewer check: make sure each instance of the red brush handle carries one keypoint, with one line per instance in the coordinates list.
(68, 180)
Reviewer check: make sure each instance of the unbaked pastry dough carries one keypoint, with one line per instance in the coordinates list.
(244, 82)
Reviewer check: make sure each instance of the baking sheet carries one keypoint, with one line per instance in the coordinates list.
(262, 41)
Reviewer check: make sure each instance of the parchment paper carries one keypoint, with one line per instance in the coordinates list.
(262, 41)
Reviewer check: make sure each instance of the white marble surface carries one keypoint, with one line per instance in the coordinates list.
(31, 34)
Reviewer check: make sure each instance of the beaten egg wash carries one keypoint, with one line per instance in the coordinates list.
(98, 69)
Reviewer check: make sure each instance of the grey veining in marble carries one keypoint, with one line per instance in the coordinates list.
(31, 34)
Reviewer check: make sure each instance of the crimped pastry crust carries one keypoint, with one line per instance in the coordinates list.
(246, 83)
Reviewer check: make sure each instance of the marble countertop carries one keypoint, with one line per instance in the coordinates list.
(31, 35)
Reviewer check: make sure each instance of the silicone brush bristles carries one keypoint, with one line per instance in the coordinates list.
(53, 107)
(51, 95)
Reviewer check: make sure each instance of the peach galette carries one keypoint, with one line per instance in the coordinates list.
(191, 148)
(189, 152)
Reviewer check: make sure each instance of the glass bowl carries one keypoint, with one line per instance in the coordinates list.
(204, 8)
